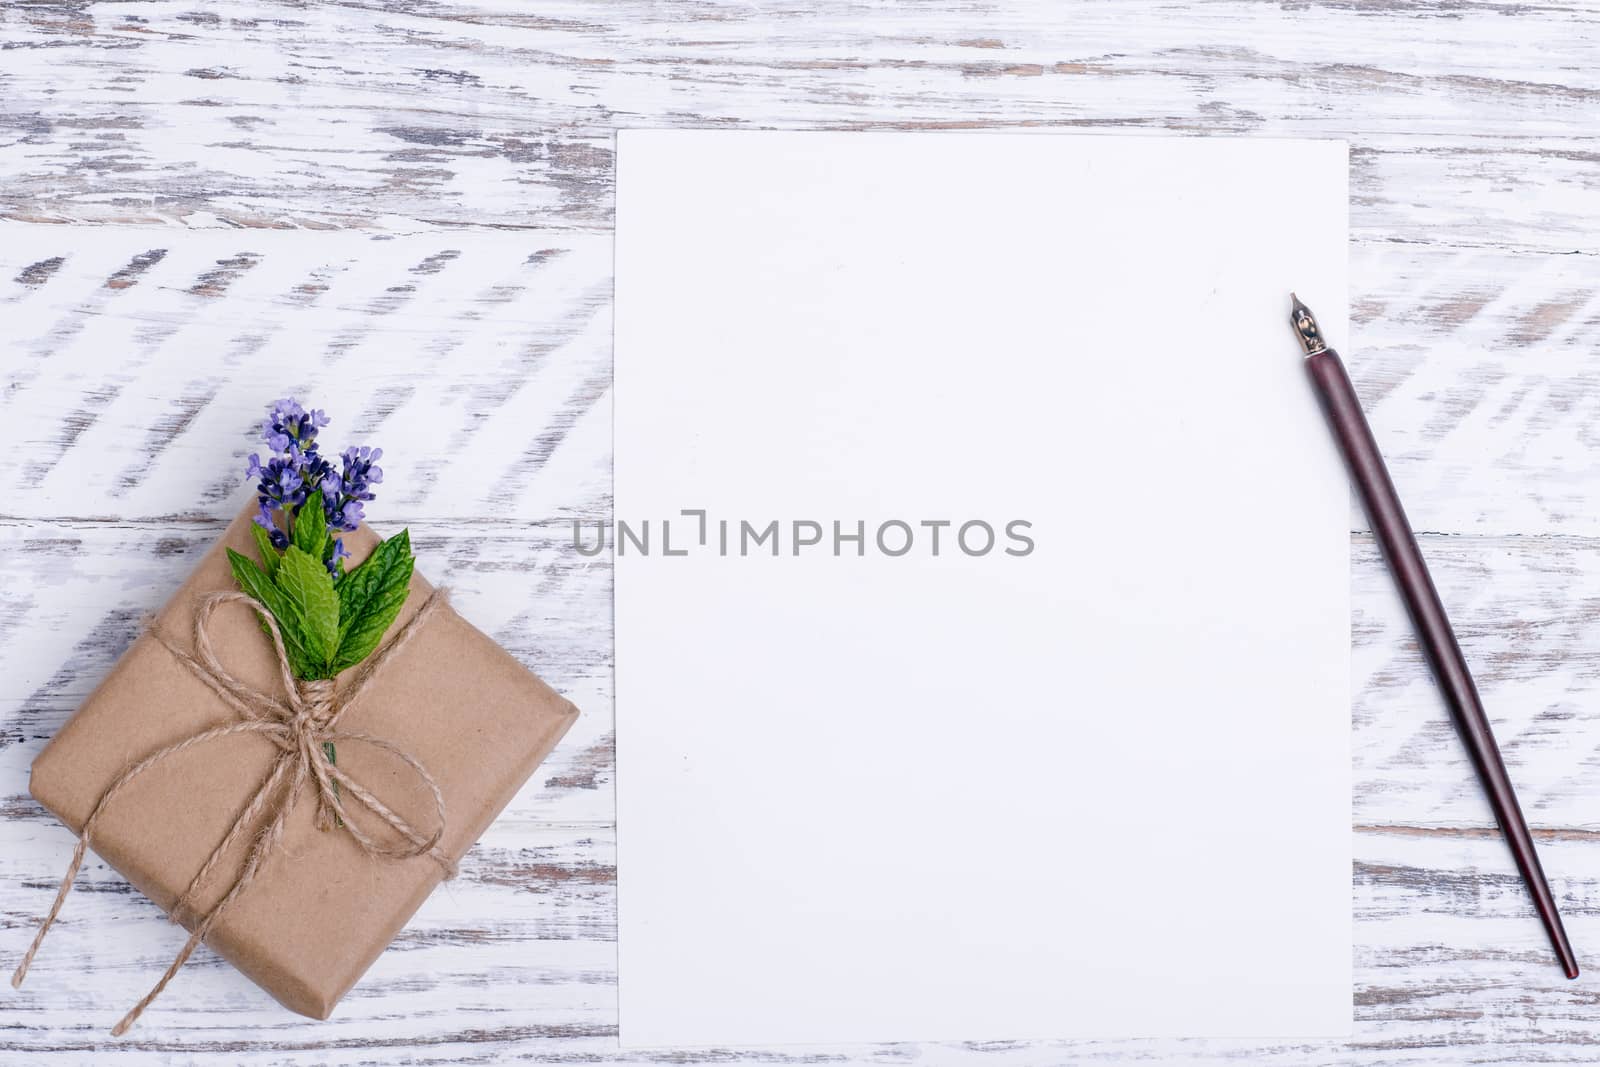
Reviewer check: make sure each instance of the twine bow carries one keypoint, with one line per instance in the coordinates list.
(299, 724)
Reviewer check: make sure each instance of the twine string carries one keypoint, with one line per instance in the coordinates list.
(299, 724)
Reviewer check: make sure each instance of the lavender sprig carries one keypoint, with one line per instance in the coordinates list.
(344, 493)
(291, 426)
(287, 480)
(330, 619)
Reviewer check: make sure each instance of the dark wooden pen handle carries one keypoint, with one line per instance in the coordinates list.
(1343, 408)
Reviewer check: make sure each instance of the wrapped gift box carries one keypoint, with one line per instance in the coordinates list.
(320, 911)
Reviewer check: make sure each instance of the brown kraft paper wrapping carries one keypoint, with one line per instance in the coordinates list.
(320, 910)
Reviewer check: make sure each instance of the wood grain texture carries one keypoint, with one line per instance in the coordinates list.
(516, 328)
(465, 152)
(1471, 120)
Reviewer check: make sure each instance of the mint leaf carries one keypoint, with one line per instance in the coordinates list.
(311, 526)
(254, 581)
(269, 555)
(370, 596)
(312, 607)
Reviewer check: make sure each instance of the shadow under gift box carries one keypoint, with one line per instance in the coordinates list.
(320, 910)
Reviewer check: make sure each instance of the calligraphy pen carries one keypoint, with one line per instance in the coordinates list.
(1349, 425)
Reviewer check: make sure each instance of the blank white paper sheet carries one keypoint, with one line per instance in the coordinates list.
(885, 776)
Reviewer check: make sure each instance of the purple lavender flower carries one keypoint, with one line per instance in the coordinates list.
(292, 427)
(345, 514)
(280, 484)
(361, 470)
(345, 491)
(314, 468)
(286, 480)
(279, 539)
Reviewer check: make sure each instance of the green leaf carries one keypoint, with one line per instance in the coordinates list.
(311, 526)
(312, 606)
(370, 596)
(254, 581)
(269, 555)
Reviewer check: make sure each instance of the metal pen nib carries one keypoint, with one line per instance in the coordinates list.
(1305, 328)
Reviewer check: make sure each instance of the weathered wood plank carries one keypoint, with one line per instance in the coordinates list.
(515, 962)
(1473, 123)
(1527, 612)
(1479, 368)
(505, 374)
(1527, 609)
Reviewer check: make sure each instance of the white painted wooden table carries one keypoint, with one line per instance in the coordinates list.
(284, 193)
